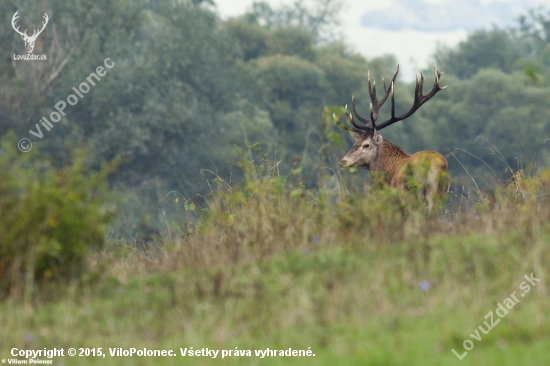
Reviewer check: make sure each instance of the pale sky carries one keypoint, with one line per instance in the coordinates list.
(409, 29)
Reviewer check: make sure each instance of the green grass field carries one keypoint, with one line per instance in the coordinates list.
(350, 305)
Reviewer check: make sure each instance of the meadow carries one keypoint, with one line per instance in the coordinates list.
(357, 279)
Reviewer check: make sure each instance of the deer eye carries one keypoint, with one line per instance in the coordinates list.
(366, 146)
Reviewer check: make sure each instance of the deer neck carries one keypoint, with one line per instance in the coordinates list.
(389, 159)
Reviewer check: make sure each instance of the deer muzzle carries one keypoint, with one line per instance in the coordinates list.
(345, 162)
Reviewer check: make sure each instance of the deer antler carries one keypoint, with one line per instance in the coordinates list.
(375, 107)
(370, 124)
(13, 21)
(375, 104)
(45, 16)
(36, 32)
(419, 99)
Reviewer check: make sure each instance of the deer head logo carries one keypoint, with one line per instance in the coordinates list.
(29, 40)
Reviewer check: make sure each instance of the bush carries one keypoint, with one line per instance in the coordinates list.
(50, 217)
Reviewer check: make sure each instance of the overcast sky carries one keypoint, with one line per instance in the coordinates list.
(409, 29)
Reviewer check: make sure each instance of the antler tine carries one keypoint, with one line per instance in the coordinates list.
(374, 105)
(387, 92)
(437, 76)
(14, 21)
(365, 121)
(419, 98)
(392, 102)
(350, 118)
(372, 114)
(45, 16)
(358, 129)
(419, 86)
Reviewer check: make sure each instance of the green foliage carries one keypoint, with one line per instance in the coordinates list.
(292, 41)
(51, 218)
(482, 49)
(319, 18)
(288, 78)
(250, 36)
(523, 47)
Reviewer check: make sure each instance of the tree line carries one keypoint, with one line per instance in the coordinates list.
(188, 87)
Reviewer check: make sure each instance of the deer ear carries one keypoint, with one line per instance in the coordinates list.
(377, 137)
(356, 135)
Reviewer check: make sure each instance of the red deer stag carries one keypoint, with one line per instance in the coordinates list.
(427, 170)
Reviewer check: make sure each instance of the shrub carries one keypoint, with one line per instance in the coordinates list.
(49, 217)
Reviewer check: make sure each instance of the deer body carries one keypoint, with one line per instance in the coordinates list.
(426, 172)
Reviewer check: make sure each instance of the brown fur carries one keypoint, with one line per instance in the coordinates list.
(428, 169)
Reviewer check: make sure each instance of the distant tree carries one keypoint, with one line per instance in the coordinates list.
(292, 41)
(534, 30)
(288, 83)
(524, 47)
(482, 49)
(170, 105)
(533, 39)
(249, 35)
(320, 17)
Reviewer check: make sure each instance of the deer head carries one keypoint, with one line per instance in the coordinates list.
(29, 40)
(368, 140)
